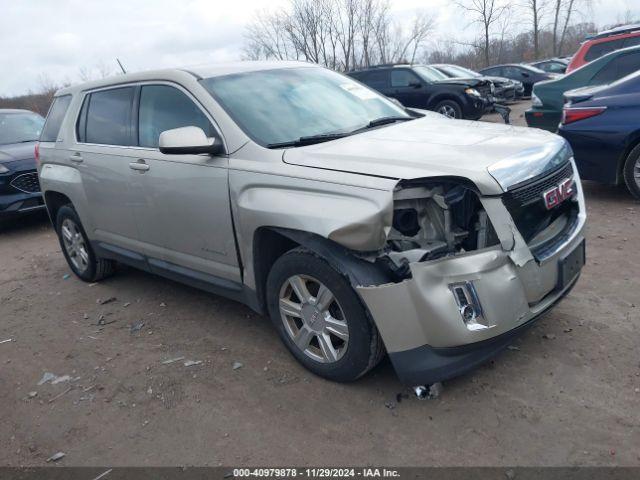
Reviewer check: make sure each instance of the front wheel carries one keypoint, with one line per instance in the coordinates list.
(77, 249)
(449, 108)
(320, 318)
(632, 172)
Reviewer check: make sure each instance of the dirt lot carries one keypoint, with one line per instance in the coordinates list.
(568, 395)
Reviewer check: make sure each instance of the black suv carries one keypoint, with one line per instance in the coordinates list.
(421, 86)
(19, 186)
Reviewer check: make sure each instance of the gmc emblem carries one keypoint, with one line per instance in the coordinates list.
(556, 195)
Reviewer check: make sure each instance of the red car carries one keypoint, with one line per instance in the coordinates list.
(603, 43)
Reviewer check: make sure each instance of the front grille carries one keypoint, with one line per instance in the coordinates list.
(27, 182)
(526, 205)
(533, 189)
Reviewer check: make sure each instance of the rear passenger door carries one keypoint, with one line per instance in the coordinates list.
(185, 218)
(104, 138)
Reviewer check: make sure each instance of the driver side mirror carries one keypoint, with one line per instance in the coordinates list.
(188, 141)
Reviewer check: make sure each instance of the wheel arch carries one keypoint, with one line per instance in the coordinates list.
(633, 141)
(445, 96)
(270, 243)
(54, 201)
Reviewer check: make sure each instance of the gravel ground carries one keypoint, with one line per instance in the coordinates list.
(567, 394)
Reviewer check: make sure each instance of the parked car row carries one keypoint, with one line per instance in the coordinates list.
(595, 107)
(19, 186)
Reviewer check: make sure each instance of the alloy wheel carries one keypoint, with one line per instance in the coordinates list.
(636, 172)
(447, 111)
(313, 319)
(75, 245)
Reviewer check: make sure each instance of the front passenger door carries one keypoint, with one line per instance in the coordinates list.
(185, 220)
(407, 87)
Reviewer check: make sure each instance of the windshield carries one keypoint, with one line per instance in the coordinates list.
(20, 127)
(459, 72)
(429, 74)
(283, 105)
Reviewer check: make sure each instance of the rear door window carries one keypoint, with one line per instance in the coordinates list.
(617, 68)
(56, 114)
(109, 117)
(163, 107)
(632, 41)
(599, 49)
(376, 79)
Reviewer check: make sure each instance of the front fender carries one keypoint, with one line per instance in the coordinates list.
(357, 218)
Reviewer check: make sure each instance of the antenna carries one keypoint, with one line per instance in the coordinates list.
(121, 67)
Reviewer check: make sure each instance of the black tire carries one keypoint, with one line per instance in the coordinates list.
(364, 350)
(97, 268)
(452, 106)
(631, 167)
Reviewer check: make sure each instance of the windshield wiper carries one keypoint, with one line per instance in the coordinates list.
(309, 140)
(386, 120)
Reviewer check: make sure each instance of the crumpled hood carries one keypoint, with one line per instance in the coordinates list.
(16, 151)
(430, 147)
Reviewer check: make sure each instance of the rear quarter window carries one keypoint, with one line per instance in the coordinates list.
(56, 115)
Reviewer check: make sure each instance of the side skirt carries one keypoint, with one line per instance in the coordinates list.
(194, 278)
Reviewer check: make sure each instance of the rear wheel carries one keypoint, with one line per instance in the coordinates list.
(632, 172)
(77, 249)
(320, 318)
(449, 108)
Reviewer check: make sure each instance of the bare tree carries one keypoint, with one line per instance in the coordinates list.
(535, 10)
(340, 34)
(564, 12)
(486, 13)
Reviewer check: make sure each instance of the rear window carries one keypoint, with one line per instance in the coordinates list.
(109, 117)
(56, 114)
(599, 49)
(376, 79)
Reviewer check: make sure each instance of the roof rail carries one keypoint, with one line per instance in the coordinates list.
(615, 31)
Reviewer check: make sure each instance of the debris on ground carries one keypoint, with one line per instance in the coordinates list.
(51, 400)
(103, 321)
(56, 456)
(7, 340)
(126, 304)
(66, 276)
(33, 394)
(136, 327)
(435, 390)
(549, 336)
(47, 377)
(172, 360)
(568, 330)
(106, 300)
(431, 392)
(390, 405)
(63, 378)
(191, 363)
(510, 474)
(163, 304)
(104, 474)
(513, 347)
(237, 365)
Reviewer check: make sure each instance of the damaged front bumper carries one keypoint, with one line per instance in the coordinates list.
(456, 312)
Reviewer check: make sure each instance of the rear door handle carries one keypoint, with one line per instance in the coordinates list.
(140, 166)
(76, 158)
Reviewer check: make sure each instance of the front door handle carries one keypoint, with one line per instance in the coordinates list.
(76, 158)
(140, 166)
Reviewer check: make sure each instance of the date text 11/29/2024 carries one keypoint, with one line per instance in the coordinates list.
(325, 472)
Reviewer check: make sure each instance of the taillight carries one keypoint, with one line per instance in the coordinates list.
(573, 114)
(36, 153)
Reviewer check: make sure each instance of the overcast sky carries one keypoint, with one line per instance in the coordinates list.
(58, 37)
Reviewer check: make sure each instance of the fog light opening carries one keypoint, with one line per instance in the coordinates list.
(466, 298)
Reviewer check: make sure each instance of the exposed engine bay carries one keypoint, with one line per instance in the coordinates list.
(434, 220)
